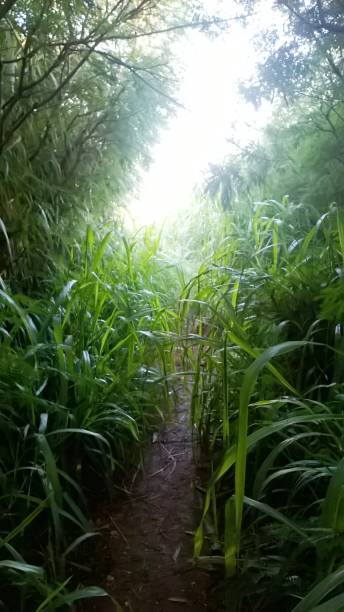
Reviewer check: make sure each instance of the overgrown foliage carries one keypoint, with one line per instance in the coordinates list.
(268, 386)
(88, 315)
(84, 87)
(82, 382)
(268, 390)
(301, 150)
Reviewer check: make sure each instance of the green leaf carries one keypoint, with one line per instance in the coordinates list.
(335, 604)
(22, 567)
(52, 595)
(320, 591)
(78, 541)
(333, 503)
(246, 390)
(101, 250)
(277, 516)
(25, 522)
(86, 593)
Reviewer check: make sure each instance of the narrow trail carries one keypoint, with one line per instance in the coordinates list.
(149, 538)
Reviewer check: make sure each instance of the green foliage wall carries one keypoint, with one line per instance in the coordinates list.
(84, 88)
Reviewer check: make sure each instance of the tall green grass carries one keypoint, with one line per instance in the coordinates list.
(83, 367)
(85, 362)
(266, 347)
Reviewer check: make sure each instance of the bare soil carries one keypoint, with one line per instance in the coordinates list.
(148, 535)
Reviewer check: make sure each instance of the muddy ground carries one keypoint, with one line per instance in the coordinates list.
(148, 535)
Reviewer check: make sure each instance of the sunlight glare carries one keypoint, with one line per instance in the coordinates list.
(214, 115)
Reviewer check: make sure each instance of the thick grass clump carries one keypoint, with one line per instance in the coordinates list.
(83, 368)
(266, 347)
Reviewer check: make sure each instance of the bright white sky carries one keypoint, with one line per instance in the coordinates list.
(214, 113)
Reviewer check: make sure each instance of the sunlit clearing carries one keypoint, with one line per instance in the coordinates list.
(214, 120)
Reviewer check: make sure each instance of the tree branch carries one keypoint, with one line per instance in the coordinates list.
(317, 26)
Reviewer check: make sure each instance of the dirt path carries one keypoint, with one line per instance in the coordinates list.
(149, 538)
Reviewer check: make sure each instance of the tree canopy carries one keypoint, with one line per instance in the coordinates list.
(301, 152)
(85, 85)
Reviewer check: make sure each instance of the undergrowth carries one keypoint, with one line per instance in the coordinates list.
(83, 367)
(89, 318)
(265, 342)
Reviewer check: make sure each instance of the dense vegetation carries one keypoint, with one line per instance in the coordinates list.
(81, 367)
(83, 307)
(84, 88)
(89, 316)
(267, 402)
(268, 388)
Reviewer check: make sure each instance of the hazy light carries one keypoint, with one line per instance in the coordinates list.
(214, 114)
